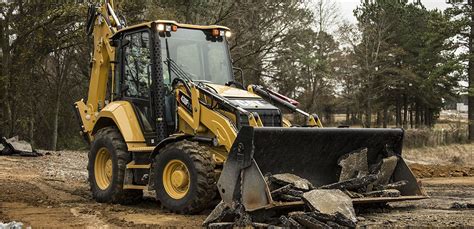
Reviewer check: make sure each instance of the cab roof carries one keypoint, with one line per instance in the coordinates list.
(180, 25)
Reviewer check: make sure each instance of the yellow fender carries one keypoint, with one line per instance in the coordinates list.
(122, 114)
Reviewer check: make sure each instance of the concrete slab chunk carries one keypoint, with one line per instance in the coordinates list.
(354, 165)
(219, 212)
(310, 222)
(383, 193)
(352, 184)
(386, 170)
(288, 178)
(20, 145)
(330, 202)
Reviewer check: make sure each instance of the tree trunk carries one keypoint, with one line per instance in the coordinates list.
(385, 116)
(379, 119)
(348, 113)
(54, 136)
(405, 112)
(398, 111)
(417, 115)
(368, 117)
(422, 115)
(188, 16)
(411, 116)
(470, 96)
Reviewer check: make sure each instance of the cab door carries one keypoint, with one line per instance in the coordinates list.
(135, 79)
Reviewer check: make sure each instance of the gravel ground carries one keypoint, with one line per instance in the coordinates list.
(52, 191)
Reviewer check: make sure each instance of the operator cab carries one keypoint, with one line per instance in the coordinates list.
(142, 74)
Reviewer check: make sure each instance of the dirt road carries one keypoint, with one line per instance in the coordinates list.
(52, 191)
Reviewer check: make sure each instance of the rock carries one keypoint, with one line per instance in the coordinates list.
(332, 224)
(309, 222)
(321, 217)
(352, 184)
(288, 178)
(353, 194)
(360, 218)
(343, 220)
(264, 225)
(15, 146)
(330, 202)
(289, 222)
(219, 212)
(11, 225)
(287, 193)
(281, 190)
(383, 193)
(19, 144)
(458, 205)
(396, 185)
(386, 170)
(220, 225)
(290, 198)
(354, 165)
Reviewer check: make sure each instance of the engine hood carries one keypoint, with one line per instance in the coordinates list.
(242, 98)
(232, 92)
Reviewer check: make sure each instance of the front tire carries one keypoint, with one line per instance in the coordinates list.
(185, 177)
(108, 159)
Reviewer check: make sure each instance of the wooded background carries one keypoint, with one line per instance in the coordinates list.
(399, 65)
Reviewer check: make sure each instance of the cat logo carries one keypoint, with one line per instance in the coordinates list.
(185, 101)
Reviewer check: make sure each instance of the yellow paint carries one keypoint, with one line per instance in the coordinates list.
(227, 91)
(286, 122)
(132, 186)
(132, 165)
(176, 179)
(122, 113)
(103, 168)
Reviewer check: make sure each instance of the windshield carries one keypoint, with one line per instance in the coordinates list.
(205, 58)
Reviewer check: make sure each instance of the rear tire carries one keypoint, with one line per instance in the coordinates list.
(108, 158)
(196, 192)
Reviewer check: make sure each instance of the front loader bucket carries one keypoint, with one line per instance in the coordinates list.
(310, 153)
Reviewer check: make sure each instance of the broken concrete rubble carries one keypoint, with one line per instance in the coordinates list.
(386, 170)
(352, 184)
(330, 202)
(395, 185)
(290, 222)
(287, 193)
(354, 165)
(287, 178)
(309, 222)
(15, 146)
(329, 206)
(219, 212)
(383, 193)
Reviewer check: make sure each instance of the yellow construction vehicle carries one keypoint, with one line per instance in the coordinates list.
(165, 113)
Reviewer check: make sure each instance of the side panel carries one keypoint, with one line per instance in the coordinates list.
(124, 117)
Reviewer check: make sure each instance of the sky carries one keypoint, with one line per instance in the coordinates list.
(347, 6)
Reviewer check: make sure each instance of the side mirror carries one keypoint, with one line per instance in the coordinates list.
(242, 80)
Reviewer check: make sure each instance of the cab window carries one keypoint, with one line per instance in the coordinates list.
(137, 60)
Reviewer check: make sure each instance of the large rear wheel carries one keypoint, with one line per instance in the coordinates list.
(185, 178)
(108, 159)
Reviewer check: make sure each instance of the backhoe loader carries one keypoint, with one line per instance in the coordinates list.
(164, 112)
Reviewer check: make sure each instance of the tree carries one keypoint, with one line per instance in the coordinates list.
(462, 12)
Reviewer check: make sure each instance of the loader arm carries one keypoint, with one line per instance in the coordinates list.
(312, 120)
(194, 109)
